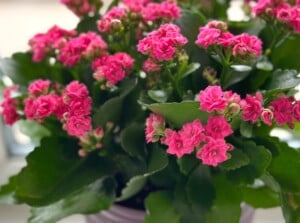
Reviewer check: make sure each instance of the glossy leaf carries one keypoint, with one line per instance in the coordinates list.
(283, 80)
(160, 208)
(7, 192)
(158, 95)
(187, 163)
(69, 173)
(237, 160)
(186, 111)
(190, 69)
(90, 199)
(246, 129)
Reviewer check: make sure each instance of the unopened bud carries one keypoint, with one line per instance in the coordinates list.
(267, 116)
(98, 132)
(116, 24)
(234, 108)
(82, 153)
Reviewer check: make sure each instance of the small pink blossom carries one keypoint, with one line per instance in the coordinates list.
(106, 23)
(135, 5)
(9, 106)
(226, 39)
(150, 66)
(29, 109)
(212, 99)
(76, 90)
(192, 134)
(175, 144)
(80, 106)
(247, 45)
(82, 7)
(267, 116)
(165, 10)
(214, 152)
(252, 107)
(283, 110)
(217, 127)
(155, 125)
(208, 37)
(78, 125)
(39, 87)
(44, 106)
(261, 6)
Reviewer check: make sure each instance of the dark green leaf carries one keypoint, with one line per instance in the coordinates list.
(133, 186)
(90, 199)
(224, 209)
(54, 170)
(291, 207)
(235, 74)
(88, 24)
(264, 65)
(158, 95)
(246, 129)
(7, 192)
(237, 160)
(283, 80)
(190, 69)
(186, 111)
(262, 197)
(187, 163)
(160, 208)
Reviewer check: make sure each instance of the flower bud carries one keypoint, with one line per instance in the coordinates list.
(82, 153)
(267, 116)
(234, 108)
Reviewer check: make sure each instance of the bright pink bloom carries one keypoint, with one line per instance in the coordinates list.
(44, 106)
(44, 43)
(192, 134)
(78, 125)
(39, 87)
(226, 39)
(124, 59)
(214, 152)
(165, 10)
(29, 109)
(212, 99)
(82, 7)
(267, 116)
(155, 125)
(261, 6)
(247, 45)
(80, 107)
(295, 18)
(150, 66)
(283, 12)
(296, 111)
(135, 5)
(252, 107)
(87, 45)
(76, 90)
(9, 106)
(217, 127)
(283, 110)
(217, 24)
(175, 144)
(106, 23)
(208, 37)
(163, 51)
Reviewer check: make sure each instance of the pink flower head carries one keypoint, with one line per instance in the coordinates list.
(295, 18)
(261, 6)
(166, 11)
(267, 116)
(192, 134)
(9, 106)
(175, 144)
(76, 90)
(283, 12)
(212, 99)
(208, 37)
(226, 39)
(39, 87)
(252, 107)
(44, 106)
(217, 127)
(247, 45)
(155, 125)
(106, 23)
(135, 5)
(78, 125)
(296, 111)
(87, 45)
(80, 107)
(82, 7)
(112, 68)
(150, 66)
(214, 152)
(162, 44)
(283, 110)
(44, 43)
(217, 25)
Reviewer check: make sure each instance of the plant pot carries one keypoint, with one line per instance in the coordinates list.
(120, 214)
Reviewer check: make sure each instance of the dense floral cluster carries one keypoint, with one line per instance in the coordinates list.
(9, 106)
(163, 43)
(209, 140)
(216, 37)
(112, 19)
(44, 43)
(82, 7)
(280, 10)
(112, 68)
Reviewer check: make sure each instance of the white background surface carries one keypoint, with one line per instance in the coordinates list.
(19, 21)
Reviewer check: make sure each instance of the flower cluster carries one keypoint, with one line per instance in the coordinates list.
(82, 7)
(281, 11)
(112, 68)
(112, 19)
(43, 44)
(216, 37)
(9, 106)
(163, 43)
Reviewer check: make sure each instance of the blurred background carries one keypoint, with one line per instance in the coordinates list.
(19, 21)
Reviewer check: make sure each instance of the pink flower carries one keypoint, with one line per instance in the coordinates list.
(208, 37)
(155, 125)
(267, 116)
(217, 127)
(9, 106)
(247, 45)
(295, 18)
(44, 106)
(261, 6)
(135, 5)
(150, 66)
(175, 144)
(226, 39)
(82, 7)
(163, 51)
(39, 87)
(165, 10)
(106, 23)
(252, 107)
(212, 99)
(44, 43)
(87, 45)
(76, 90)
(214, 152)
(283, 110)
(29, 109)
(78, 125)
(192, 134)
(283, 12)
(124, 59)
(80, 106)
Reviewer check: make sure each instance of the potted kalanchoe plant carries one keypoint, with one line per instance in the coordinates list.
(161, 106)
